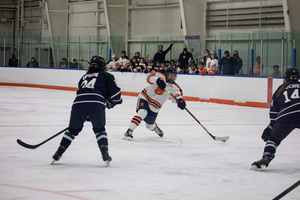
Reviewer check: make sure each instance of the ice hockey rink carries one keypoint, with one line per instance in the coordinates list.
(185, 164)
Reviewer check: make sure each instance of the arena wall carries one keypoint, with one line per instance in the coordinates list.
(233, 90)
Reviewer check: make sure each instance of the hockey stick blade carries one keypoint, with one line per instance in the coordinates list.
(28, 146)
(224, 138)
(34, 146)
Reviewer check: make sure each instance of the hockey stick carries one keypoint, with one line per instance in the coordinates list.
(34, 146)
(287, 190)
(223, 139)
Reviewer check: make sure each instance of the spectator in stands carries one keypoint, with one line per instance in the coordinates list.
(160, 55)
(239, 64)
(63, 63)
(206, 55)
(13, 61)
(190, 69)
(196, 68)
(33, 63)
(212, 63)
(201, 67)
(137, 55)
(126, 66)
(134, 61)
(163, 66)
(123, 55)
(157, 65)
(178, 66)
(172, 63)
(143, 62)
(113, 64)
(75, 64)
(123, 59)
(276, 71)
(227, 63)
(258, 66)
(185, 57)
(150, 67)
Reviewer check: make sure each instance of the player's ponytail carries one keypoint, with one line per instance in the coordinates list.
(291, 76)
(282, 88)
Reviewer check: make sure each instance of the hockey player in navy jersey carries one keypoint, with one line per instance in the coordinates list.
(284, 117)
(96, 90)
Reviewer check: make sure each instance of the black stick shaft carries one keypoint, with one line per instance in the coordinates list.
(287, 190)
(213, 137)
(34, 146)
(200, 124)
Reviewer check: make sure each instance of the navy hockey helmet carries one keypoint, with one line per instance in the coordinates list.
(292, 74)
(98, 61)
(171, 70)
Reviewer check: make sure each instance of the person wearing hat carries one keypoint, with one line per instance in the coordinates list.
(160, 55)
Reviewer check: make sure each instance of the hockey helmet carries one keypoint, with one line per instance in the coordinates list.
(98, 61)
(292, 74)
(171, 70)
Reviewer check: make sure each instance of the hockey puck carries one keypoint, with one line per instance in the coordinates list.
(223, 140)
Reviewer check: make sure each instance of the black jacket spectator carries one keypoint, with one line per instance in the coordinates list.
(227, 64)
(13, 61)
(33, 63)
(160, 55)
(239, 62)
(185, 57)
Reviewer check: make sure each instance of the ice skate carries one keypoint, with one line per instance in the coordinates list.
(159, 131)
(263, 163)
(58, 154)
(128, 135)
(105, 156)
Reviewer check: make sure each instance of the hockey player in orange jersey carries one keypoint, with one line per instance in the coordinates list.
(211, 65)
(153, 97)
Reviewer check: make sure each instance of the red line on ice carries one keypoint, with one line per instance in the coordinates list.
(42, 190)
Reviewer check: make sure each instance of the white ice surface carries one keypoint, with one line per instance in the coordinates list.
(185, 164)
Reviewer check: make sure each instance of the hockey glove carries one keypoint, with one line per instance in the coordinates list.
(181, 103)
(161, 83)
(266, 134)
(109, 104)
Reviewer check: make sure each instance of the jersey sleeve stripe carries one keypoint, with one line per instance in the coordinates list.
(115, 94)
(152, 73)
(160, 73)
(89, 102)
(289, 113)
(178, 89)
(90, 94)
(288, 108)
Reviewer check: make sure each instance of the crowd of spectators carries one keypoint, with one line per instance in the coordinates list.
(184, 64)
(209, 64)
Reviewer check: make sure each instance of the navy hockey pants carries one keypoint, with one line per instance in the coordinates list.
(280, 131)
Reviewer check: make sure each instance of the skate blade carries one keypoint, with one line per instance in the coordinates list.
(261, 168)
(127, 138)
(107, 163)
(160, 135)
